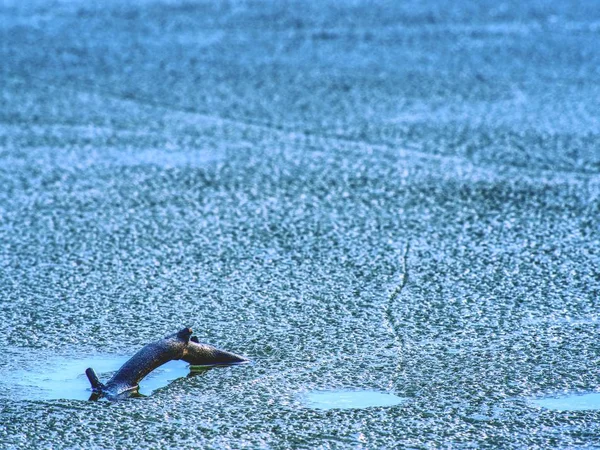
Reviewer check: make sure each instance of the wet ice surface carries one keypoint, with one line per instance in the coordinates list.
(255, 171)
(573, 402)
(48, 377)
(347, 399)
(55, 378)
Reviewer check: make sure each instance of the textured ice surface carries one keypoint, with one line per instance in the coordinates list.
(255, 170)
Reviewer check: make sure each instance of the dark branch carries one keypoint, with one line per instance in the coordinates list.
(175, 346)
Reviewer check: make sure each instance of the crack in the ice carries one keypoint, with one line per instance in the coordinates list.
(389, 316)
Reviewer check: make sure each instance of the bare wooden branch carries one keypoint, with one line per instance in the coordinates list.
(180, 345)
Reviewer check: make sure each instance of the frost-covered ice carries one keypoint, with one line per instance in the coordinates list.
(255, 170)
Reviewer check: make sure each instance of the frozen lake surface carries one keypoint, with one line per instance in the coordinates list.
(256, 171)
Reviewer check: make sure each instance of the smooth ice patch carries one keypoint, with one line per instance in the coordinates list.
(573, 402)
(346, 399)
(65, 379)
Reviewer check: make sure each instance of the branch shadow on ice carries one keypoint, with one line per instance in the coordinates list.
(178, 346)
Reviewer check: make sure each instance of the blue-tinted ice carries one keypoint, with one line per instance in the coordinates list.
(255, 170)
